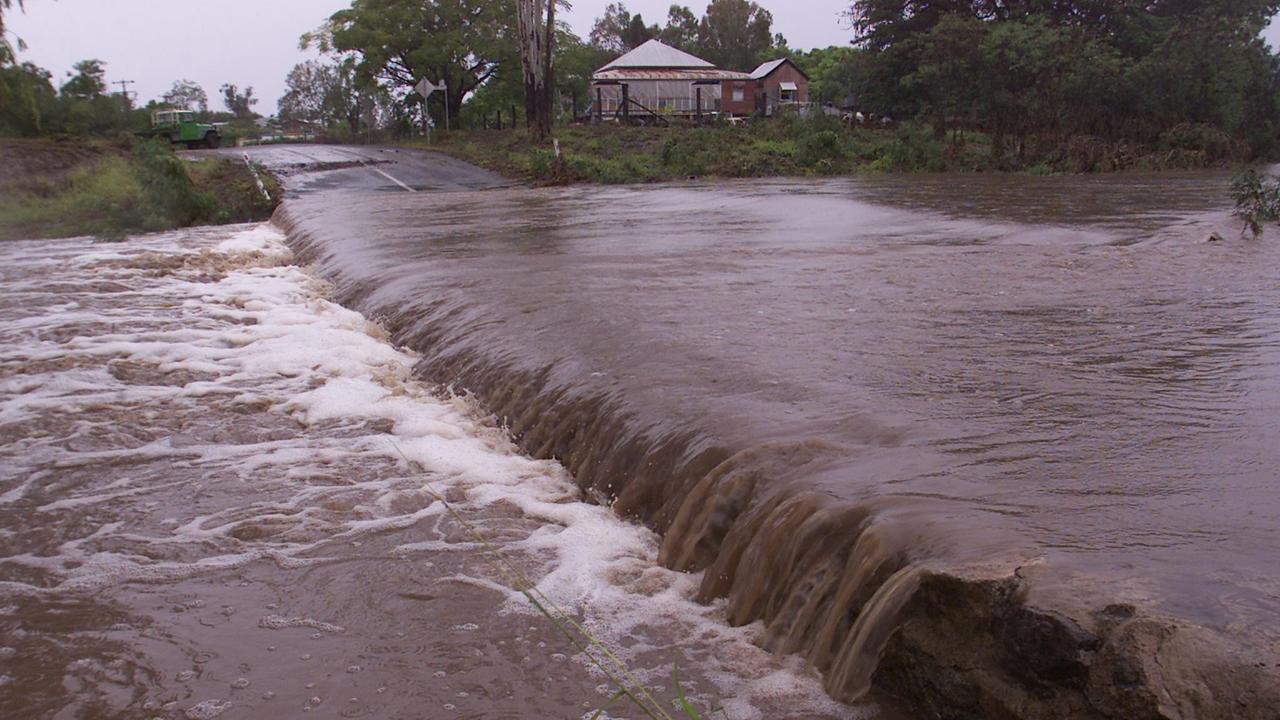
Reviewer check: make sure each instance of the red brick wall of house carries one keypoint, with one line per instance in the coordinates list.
(787, 73)
(747, 105)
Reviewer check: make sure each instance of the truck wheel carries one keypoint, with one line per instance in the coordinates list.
(212, 141)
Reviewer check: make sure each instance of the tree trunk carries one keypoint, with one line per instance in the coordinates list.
(532, 58)
(549, 104)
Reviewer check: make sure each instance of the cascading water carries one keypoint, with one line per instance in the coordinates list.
(873, 427)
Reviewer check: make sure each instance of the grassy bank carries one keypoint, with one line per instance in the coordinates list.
(53, 188)
(615, 154)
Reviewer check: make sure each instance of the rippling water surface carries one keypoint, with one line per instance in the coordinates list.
(220, 496)
(1061, 369)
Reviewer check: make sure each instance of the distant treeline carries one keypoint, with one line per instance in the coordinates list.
(1177, 72)
(31, 105)
(1109, 78)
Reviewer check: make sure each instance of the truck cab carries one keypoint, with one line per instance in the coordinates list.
(180, 126)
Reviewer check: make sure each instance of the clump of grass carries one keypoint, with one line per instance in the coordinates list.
(1257, 200)
(171, 198)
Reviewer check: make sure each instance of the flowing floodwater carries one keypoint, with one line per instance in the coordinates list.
(223, 496)
(833, 396)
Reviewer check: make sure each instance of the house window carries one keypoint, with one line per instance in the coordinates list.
(739, 92)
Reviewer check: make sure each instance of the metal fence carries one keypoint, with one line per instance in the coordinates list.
(661, 105)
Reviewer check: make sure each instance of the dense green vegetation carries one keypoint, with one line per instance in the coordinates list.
(110, 189)
(1034, 85)
(790, 146)
(1189, 74)
(31, 106)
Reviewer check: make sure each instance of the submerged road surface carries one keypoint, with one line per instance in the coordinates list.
(223, 495)
(1015, 436)
(358, 169)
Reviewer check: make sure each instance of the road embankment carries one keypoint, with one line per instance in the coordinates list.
(70, 187)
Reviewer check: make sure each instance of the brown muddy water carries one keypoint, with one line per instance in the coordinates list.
(207, 510)
(999, 446)
(817, 390)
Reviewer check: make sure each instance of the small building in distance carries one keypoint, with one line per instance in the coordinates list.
(657, 79)
(781, 83)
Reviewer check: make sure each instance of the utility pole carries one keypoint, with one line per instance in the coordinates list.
(124, 89)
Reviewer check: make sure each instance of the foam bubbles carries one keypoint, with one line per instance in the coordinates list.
(262, 338)
(207, 710)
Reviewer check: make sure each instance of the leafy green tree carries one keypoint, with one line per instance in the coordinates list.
(239, 103)
(831, 70)
(87, 82)
(187, 95)
(1022, 63)
(6, 49)
(10, 85)
(734, 34)
(460, 43)
(618, 31)
(311, 91)
(30, 102)
(575, 63)
(681, 30)
(1137, 69)
(950, 61)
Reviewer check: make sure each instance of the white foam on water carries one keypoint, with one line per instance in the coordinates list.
(263, 334)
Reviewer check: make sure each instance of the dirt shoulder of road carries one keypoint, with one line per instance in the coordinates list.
(64, 187)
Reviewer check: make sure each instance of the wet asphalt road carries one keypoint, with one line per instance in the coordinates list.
(310, 168)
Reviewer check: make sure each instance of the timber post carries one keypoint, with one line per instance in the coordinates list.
(599, 105)
(626, 101)
(697, 113)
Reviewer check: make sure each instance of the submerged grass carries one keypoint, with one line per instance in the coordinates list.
(599, 654)
(111, 191)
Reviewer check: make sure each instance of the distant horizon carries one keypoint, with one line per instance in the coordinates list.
(60, 33)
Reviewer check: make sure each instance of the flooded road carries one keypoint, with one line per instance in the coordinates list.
(224, 496)
(998, 446)
(1059, 375)
(1102, 393)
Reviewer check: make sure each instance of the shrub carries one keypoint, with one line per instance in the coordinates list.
(1257, 200)
(914, 149)
(820, 150)
(172, 199)
(1198, 137)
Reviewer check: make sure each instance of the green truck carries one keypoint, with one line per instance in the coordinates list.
(180, 126)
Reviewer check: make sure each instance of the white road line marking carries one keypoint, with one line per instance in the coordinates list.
(385, 175)
(369, 164)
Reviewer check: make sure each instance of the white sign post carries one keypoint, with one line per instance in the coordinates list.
(424, 88)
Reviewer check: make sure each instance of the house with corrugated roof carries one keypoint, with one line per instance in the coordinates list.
(781, 83)
(657, 79)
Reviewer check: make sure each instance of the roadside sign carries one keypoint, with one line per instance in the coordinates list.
(425, 87)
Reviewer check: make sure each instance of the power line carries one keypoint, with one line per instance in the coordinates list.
(124, 87)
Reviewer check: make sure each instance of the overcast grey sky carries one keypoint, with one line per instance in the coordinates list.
(255, 42)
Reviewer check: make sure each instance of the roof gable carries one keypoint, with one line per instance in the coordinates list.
(656, 54)
(767, 69)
